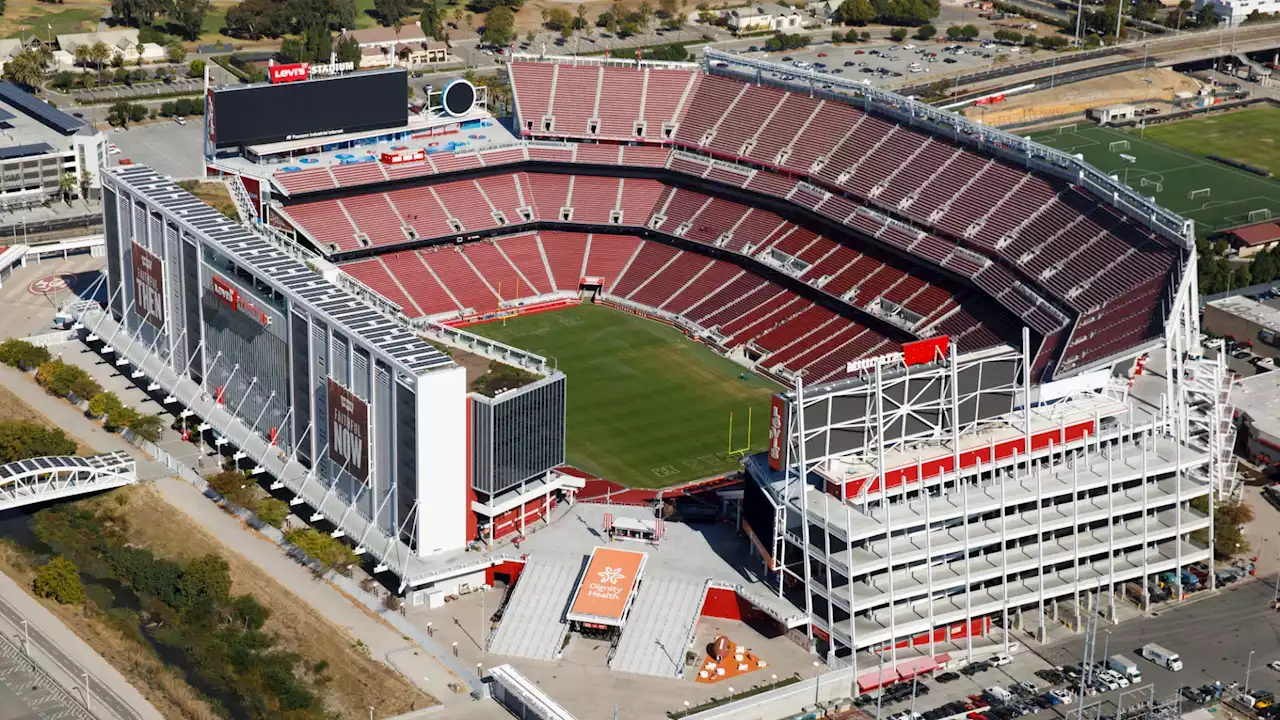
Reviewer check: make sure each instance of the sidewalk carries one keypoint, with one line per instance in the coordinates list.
(65, 657)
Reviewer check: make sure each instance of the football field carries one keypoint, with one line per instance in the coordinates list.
(1168, 163)
(648, 407)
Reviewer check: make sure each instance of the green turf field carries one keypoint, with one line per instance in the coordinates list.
(648, 407)
(1169, 163)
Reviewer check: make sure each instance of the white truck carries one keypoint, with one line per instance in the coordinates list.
(1161, 656)
(1126, 667)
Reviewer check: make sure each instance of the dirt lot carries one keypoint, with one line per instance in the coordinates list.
(1127, 87)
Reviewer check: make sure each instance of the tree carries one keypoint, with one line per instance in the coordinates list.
(348, 50)
(27, 68)
(390, 12)
(898, 34)
(21, 354)
(499, 26)
(195, 69)
(1229, 519)
(856, 12)
(189, 16)
(273, 512)
(147, 427)
(558, 19)
(205, 584)
(174, 52)
(59, 580)
(969, 32)
(256, 19)
(431, 22)
(926, 32)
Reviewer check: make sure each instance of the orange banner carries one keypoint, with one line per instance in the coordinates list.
(607, 585)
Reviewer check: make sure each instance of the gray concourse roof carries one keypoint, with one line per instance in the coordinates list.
(351, 315)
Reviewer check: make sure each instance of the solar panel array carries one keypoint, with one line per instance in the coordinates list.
(351, 315)
(38, 109)
(21, 151)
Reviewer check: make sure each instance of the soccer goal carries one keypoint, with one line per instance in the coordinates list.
(1067, 129)
(1262, 215)
(1202, 192)
(1118, 145)
(1147, 182)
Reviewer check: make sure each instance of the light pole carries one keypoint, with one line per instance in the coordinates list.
(88, 699)
(26, 638)
(370, 712)
(817, 683)
(1106, 645)
(1248, 669)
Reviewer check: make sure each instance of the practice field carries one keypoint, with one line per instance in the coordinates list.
(648, 407)
(1182, 179)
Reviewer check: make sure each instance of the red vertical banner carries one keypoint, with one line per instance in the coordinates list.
(777, 430)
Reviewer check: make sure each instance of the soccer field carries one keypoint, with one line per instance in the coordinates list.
(1178, 176)
(648, 407)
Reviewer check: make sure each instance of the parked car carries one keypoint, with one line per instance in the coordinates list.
(1001, 659)
(1062, 696)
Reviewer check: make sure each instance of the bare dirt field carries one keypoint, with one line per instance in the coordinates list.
(1127, 87)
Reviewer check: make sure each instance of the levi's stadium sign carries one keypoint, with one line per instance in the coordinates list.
(288, 73)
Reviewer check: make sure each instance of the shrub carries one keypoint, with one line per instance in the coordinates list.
(22, 354)
(273, 512)
(147, 427)
(60, 580)
(328, 551)
(21, 440)
(59, 378)
(235, 486)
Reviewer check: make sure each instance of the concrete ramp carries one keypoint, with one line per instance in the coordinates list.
(661, 625)
(533, 624)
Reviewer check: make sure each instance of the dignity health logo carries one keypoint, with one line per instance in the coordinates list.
(611, 575)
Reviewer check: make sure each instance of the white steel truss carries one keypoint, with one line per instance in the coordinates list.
(899, 560)
(36, 480)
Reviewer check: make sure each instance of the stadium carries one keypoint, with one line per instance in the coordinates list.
(946, 326)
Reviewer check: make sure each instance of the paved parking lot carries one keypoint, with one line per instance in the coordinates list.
(864, 61)
(171, 149)
(1213, 635)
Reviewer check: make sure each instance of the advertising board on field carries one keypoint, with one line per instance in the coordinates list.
(148, 286)
(348, 431)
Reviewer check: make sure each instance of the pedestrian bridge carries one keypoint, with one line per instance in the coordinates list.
(37, 480)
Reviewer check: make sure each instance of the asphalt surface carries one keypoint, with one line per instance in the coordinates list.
(1213, 635)
(171, 149)
(18, 681)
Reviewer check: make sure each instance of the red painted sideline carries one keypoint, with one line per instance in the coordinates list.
(494, 316)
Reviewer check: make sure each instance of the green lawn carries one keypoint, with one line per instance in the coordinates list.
(1169, 162)
(1251, 136)
(66, 21)
(648, 407)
